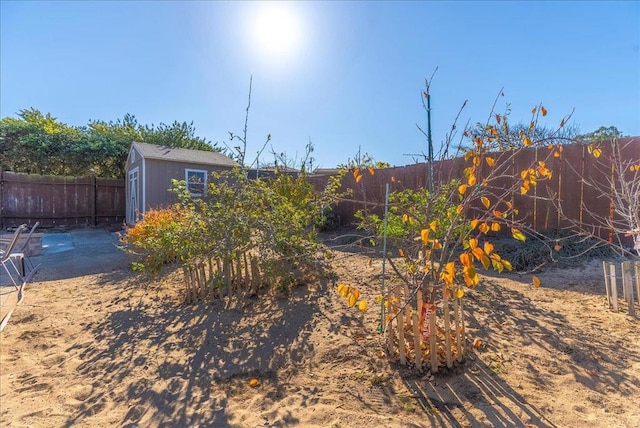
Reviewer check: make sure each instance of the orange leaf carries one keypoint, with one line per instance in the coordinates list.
(527, 142)
(356, 172)
(488, 248)
(495, 227)
(466, 260)
(490, 161)
(474, 223)
(543, 110)
(477, 343)
(536, 281)
(371, 170)
(557, 247)
(497, 213)
(473, 243)
(462, 188)
(484, 228)
(401, 252)
(471, 180)
(393, 179)
(485, 201)
(254, 383)
(358, 178)
(498, 118)
(459, 209)
(478, 253)
(534, 110)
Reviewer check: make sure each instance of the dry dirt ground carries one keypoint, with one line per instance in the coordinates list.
(102, 347)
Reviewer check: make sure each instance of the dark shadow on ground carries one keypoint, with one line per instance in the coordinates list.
(221, 346)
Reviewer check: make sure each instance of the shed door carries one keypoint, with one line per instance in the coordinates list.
(133, 208)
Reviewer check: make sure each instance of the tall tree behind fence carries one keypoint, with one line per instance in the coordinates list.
(579, 201)
(60, 201)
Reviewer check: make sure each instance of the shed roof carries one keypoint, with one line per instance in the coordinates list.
(153, 151)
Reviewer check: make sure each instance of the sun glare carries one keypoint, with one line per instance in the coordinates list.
(277, 33)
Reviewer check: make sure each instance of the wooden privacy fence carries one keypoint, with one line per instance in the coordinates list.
(579, 201)
(430, 335)
(60, 201)
(217, 279)
(629, 276)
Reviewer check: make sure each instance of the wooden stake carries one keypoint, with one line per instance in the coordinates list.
(400, 323)
(433, 342)
(456, 325)
(627, 285)
(614, 286)
(607, 285)
(447, 329)
(417, 342)
(637, 269)
(462, 331)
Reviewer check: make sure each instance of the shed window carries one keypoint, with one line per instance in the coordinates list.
(196, 181)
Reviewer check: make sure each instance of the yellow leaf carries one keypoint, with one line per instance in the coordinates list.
(490, 161)
(596, 153)
(473, 243)
(485, 201)
(497, 266)
(543, 110)
(485, 262)
(556, 154)
(459, 293)
(254, 383)
(488, 248)
(527, 142)
(517, 234)
(459, 209)
(471, 180)
(495, 227)
(424, 235)
(371, 170)
(405, 218)
(352, 300)
(437, 245)
(362, 306)
(433, 225)
(484, 228)
(474, 223)
(536, 281)
(462, 189)
(450, 268)
(356, 293)
(343, 290)
(507, 265)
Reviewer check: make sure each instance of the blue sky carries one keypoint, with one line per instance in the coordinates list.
(352, 76)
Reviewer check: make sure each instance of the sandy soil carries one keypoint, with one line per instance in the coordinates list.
(109, 349)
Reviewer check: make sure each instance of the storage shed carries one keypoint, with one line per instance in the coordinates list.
(150, 169)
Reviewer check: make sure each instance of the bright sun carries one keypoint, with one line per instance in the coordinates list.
(277, 33)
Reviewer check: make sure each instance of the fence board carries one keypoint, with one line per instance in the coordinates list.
(578, 200)
(60, 201)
